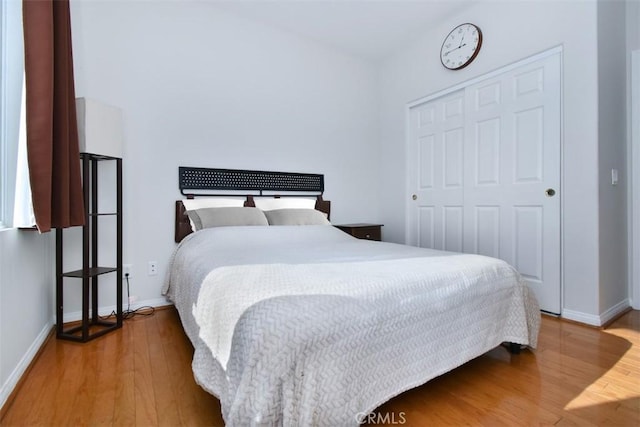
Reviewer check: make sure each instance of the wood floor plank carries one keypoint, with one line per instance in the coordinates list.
(141, 376)
(124, 401)
(165, 398)
(84, 398)
(67, 385)
(101, 412)
(145, 401)
(197, 406)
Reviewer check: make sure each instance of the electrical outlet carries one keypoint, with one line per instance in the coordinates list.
(152, 268)
(126, 269)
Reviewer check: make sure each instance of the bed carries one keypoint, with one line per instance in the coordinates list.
(306, 325)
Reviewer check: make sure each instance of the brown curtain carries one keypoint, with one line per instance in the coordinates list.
(52, 133)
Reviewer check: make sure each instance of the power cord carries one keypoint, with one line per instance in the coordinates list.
(145, 310)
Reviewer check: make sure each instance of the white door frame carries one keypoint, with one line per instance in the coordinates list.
(409, 185)
(634, 185)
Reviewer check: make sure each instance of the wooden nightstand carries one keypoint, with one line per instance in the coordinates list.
(362, 230)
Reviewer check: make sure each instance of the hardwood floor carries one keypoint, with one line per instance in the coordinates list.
(141, 375)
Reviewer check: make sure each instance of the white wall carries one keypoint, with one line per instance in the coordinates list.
(27, 298)
(512, 31)
(201, 87)
(632, 14)
(634, 192)
(633, 137)
(612, 154)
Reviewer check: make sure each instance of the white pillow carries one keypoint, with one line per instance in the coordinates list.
(226, 216)
(269, 204)
(212, 202)
(296, 217)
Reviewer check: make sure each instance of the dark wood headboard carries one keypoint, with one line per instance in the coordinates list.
(194, 181)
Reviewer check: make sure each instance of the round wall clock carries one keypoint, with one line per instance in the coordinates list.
(461, 46)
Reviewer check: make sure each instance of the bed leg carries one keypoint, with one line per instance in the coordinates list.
(514, 348)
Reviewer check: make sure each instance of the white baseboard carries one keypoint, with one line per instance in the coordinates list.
(18, 372)
(614, 311)
(578, 316)
(105, 311)
(594, 320)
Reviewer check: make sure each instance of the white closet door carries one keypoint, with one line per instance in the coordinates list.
(436, 171)
(512, 185)
(489, 182)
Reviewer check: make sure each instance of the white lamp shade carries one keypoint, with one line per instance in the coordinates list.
(99, 128)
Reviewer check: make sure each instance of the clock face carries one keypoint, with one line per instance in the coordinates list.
(461, 46)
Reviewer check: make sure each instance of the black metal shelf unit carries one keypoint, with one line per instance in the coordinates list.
(91, 327)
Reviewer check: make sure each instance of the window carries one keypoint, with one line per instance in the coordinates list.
(11, 89)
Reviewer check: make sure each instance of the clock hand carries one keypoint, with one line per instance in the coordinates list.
(447, 53)
(461, 40)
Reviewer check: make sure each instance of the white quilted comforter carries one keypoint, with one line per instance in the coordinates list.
(300, 326)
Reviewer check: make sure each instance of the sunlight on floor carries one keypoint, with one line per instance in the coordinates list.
(596, 393)
(621, 383)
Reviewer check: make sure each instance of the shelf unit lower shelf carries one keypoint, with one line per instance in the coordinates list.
(90, 326)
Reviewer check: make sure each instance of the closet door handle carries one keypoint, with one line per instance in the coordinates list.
(550, 192)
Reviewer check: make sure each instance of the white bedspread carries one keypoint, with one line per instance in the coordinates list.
(334, 335)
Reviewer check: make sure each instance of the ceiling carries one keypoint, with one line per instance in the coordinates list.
(366, 28)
